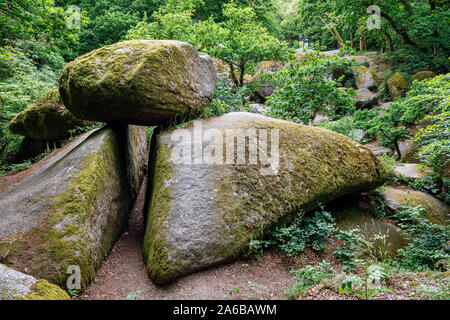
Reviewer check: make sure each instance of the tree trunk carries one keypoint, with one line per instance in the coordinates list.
(352, 44)
(233, 75)
(388, 37)
(242, 73)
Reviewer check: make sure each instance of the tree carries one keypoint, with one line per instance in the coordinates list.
(303, 89)
(240, 40)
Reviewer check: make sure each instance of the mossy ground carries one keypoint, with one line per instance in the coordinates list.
(43, 290)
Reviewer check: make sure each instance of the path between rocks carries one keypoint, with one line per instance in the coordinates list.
(123, 273)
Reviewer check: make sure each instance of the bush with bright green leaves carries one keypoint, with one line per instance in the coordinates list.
(313, 230)
(304, 88)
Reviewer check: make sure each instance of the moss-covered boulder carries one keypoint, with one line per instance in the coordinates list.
(203, 212)
(435, 210)
(48, 119)
(398, 86)
(15, 285)
(422, 75)
(366, 78)
(138, 82)
(70, 211)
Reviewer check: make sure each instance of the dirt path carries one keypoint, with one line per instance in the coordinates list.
(123, 273)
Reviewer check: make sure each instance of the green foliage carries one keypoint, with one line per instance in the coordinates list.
(367, 288)
(308, 277)
(312, 230)
(428, 247)
(227, 98)
(303, 89)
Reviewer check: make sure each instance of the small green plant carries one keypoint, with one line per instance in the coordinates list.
(428, 246)
(308, 277)
(133, 296)
(253, 288)
(439, 290)
(362, 289)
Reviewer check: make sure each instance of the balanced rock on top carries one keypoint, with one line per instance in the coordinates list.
(138, 82)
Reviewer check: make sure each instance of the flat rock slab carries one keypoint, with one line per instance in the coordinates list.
(71, 210)
(410, 171)
(436, 210)
(204, 211)
(144, 82)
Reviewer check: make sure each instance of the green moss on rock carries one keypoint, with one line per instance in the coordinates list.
(141, 82)
(422, 75)
(43, 290)
(83, 221)
(48, 119)
(398, 86)
(202, 215)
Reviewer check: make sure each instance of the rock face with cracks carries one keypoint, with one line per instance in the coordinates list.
(142, 82)
(203, 212)
(70, 211)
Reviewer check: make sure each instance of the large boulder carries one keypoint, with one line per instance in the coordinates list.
(348, 215)
(203, 212)
(398, 86)
(15, 285)
(48, 119)
(70, 211)
(364, 99)
(410, 171)
(435, 210)
(366, 78)
(267, 67)
(422, 75)
(143, 82)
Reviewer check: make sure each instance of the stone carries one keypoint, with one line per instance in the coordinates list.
(266, 90)
(144, 82)
(15, 285)
(410, 171)
(398, 86)
(365, 99)
(366, 78)
(71, 210)
(435, 210)
(422, 75)
(203, 212)
(318, 118)
(348, 215)
(379, 150)
(48, 119)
